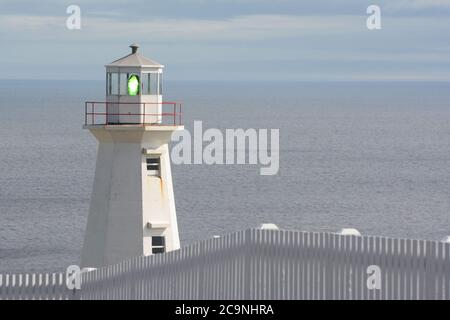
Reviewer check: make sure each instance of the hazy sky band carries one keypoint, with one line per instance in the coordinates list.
(230, 40)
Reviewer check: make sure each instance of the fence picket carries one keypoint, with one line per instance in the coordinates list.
(260, 264)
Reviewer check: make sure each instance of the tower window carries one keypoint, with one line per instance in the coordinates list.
(123, 82)
(150, 83)
(154, 166)
(158, 244)
(112, 87)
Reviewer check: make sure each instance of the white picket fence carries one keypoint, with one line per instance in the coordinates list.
(40, 286)
(272, 264)
(265, 264)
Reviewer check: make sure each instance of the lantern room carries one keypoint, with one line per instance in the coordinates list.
(134, 89)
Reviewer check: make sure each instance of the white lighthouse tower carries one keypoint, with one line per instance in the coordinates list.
(132, 210)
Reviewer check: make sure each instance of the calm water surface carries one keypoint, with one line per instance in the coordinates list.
(374, 156)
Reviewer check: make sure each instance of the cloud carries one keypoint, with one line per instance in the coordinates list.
(107, 27)
(259, 45)
(416, 5)
(420, 4)
(249, 27)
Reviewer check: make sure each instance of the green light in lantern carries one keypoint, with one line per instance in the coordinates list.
(133, 85)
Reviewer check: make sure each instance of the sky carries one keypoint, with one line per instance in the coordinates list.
(230, 40)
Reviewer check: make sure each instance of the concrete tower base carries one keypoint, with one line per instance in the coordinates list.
(132, 210)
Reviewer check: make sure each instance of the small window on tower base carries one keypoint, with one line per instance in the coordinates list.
(157, 250)
(154, 166)
(158, 244)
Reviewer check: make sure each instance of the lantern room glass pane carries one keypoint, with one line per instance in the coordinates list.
(150, 83)
(154, 83)
(108, 82)
(113, 83)
(123, 84)
(146, 83)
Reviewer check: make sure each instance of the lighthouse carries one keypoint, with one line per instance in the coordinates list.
(132, 209)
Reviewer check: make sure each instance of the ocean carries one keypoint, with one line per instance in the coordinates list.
(374, 156)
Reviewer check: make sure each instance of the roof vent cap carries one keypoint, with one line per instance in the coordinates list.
(134, 47)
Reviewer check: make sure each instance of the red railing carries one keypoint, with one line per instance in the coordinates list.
(139, 113)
